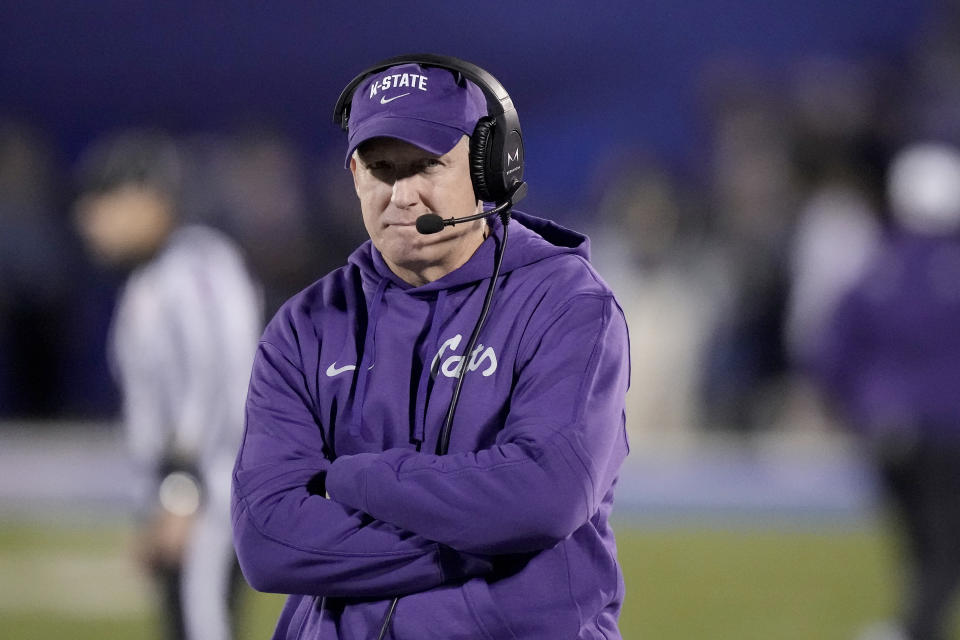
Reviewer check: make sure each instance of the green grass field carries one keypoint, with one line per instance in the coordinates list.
(683, 582)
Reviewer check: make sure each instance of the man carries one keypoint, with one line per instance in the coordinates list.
(338, 497)
(890, 361)
(182, 341)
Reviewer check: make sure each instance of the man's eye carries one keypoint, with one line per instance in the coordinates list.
(383, 171)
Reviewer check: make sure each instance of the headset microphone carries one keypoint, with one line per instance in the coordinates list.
(430, 223)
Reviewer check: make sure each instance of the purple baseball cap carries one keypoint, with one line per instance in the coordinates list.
(424, 106)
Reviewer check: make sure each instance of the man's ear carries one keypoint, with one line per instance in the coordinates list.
(353, 171)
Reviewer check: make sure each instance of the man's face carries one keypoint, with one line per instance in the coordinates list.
(397, 182)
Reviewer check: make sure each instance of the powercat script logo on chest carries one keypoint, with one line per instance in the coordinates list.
(482, 357)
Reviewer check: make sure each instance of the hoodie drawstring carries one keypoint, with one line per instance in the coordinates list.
(367, 361)
(426, 375)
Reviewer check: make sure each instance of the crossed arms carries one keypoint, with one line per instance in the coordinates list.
(400, 521)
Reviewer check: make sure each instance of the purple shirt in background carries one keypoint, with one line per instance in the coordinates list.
(890, 357)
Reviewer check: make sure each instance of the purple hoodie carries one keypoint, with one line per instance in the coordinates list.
(890, 357)
(507, 536)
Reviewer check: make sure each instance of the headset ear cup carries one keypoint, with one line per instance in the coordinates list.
(483, 185)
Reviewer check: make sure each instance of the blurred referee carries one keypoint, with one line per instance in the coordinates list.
(182, 341)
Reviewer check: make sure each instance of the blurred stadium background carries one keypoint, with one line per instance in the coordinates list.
(700, 143)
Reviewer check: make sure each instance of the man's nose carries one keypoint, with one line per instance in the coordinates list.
(405, 192)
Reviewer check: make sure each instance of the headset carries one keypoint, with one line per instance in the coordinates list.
(496, 146)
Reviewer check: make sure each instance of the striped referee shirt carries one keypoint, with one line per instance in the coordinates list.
(182, 343)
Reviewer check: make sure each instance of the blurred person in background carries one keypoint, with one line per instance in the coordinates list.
(840, 151)
(648, 243)
(754, 190)
(889, 360)
(181, 346)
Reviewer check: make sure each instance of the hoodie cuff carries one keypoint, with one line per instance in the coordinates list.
(346, 480)
(457, 565)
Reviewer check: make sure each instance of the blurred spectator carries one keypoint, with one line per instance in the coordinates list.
(839, 149)
(33, 268)
(754, 195)
(889, 359)
(649, 246)
(182, 342)
(836, 236)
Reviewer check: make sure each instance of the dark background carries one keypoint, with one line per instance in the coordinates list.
(586, 77)
(603, 89)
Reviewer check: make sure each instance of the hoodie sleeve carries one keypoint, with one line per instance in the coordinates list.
(289, 538)
(555, 460)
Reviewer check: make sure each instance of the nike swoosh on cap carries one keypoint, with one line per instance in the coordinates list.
(385, 99)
